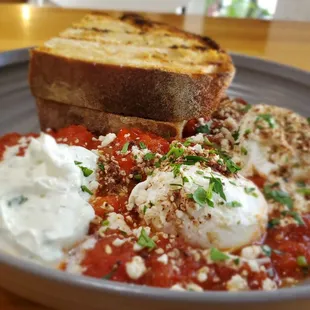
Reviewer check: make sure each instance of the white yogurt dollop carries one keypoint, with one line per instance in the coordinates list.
(43, 209)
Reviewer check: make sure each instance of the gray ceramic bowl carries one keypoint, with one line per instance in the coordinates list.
(256, 81)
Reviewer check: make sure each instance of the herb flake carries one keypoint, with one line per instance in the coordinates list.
(142, 145)
(19, 200)
(125, 148)
(145, 241)
(203, 129)
(149, 156)
(267, 118)
(278, 195)
(234, 204)
(85, 189)
(218, 256)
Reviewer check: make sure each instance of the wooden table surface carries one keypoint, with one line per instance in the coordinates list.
(285, 42)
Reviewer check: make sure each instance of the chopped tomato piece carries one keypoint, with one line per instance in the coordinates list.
(76, 135)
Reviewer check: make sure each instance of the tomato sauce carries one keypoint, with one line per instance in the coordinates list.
(108, 261)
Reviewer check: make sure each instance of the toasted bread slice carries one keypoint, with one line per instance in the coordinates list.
(56, 115)
(131, 66)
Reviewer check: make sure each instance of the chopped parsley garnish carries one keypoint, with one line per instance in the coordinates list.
(145, 241)
(185, 180)
(142, 145)
(109, 275)
(248, 131)
(86, 171)
(176, 152)
(105, 223)
(144, 209)
(301, 184)
(308, 120)
(231, 166)
(149, 156)
(192, 160)
(233, 183)
(303, 191)
(267, 118)
(236, 261)
(101, 166)
(251, 191)
(137, 177)
(234, 204)
(244, 151)
(207, 141)
(297, 218)
(278, 195)
(274, 222)
(217, 186)
(176, 169)
(236, 135)
(125, 148)
(246, 108)
(295, 215)
(302, 261)
(201, 196)
(218, 256)
(188, 142)
(84, 188)
(203, 129)
(199, 172)
(19, 200)
(266, 249)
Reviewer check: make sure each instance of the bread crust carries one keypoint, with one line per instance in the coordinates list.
(146, 93)
(56, 115)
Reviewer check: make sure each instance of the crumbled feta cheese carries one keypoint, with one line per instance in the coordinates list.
(197, 138)
(159, 251)
(108, 249)
(163, 259)
(194, 287)
(196, 148)
(177, 287)
(106, 140)
(118, 242)
(116, 221)
(253, 265)
(135, 268)
(202, 274)
(237, 283)
(137, 247)
(137, 231)
(269, 285)
(139, 154)
(251, 252)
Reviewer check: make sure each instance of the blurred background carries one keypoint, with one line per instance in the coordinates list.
(260, 9)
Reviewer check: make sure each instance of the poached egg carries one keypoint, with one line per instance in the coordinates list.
(238, 216)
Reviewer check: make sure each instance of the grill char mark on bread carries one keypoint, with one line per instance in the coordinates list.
(132, 66)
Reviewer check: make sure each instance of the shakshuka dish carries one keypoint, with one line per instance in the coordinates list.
(225, 208)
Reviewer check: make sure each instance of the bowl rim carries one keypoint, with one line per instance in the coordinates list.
(152, 293)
